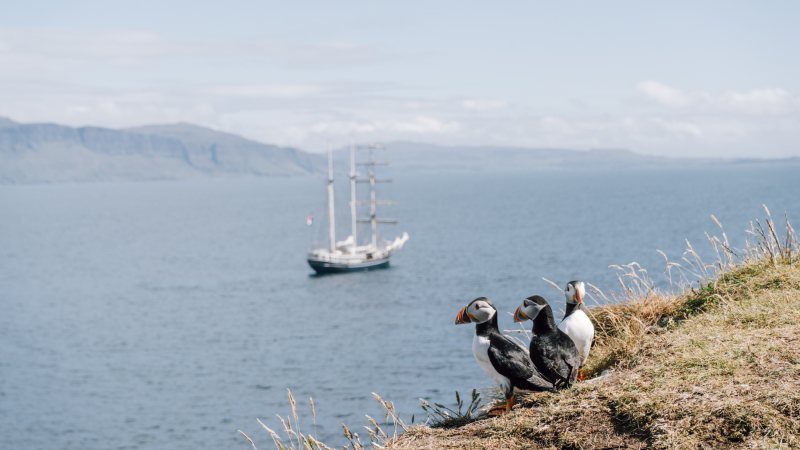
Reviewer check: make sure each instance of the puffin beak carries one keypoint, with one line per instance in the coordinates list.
(519, 316)
(462, 317)
(580, 297)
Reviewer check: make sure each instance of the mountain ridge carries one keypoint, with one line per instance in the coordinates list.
(51, 153)
(424, 157)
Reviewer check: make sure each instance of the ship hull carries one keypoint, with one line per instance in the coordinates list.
(334, 267)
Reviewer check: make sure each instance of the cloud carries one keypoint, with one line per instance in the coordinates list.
(423, 125)
(483, 105)
(327, 54)
(251, 87)
(666, 95)
(757, 101)
(678, 127)
(761, 101)
(270, 90)
(416, 125)
(134, 47)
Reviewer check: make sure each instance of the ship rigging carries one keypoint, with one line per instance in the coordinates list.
(347, 255)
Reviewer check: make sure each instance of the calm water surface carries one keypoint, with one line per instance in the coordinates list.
(167, 315)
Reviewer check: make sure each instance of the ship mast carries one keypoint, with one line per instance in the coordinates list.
(353, 191)
(331, 215)
(373, 203)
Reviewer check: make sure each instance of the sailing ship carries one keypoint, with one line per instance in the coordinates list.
(348, 255)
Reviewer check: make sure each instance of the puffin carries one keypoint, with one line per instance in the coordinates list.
(576, 323)
(502, 360)
(552, 352)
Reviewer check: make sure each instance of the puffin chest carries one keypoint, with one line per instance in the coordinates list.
(580, 329)
(480, 348)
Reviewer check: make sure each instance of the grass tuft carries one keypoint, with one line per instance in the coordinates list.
(440, 416)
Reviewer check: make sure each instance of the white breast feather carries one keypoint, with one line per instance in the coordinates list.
(480, 348)
(578, 327)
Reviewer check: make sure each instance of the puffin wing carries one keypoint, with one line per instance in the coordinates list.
(547, 360)
(513, 363)
(556, 358)
(570, 359)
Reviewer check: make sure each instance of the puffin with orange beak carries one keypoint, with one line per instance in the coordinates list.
(504, 361)
(576, 323)
(551, 350)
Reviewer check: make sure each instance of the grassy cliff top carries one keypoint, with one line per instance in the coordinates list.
(717, 367)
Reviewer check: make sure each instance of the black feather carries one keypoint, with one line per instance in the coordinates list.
(509, 360)
(552, 352)
(572, 307)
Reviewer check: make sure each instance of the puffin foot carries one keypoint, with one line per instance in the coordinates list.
(501, 409)
(498, 410)
(580, 374)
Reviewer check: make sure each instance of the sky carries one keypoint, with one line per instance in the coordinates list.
(696, 79)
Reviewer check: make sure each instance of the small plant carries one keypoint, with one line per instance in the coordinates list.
(770, 247)
(377, 436)
(440, 416)
(298, 441)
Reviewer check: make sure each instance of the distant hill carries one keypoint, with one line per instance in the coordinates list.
(421, 157)
(49, 153)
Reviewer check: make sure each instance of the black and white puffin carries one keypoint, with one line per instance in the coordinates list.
(504, 361)
(576, 323)
(552, 351)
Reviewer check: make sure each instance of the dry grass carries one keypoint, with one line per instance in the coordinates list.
(621, 324)
(378, 438)
(296, 439)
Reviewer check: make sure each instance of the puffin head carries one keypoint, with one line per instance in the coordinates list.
(479, 310)
(529, 308)
(575, 292)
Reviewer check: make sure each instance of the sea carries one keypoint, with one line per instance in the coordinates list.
(171, 314)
